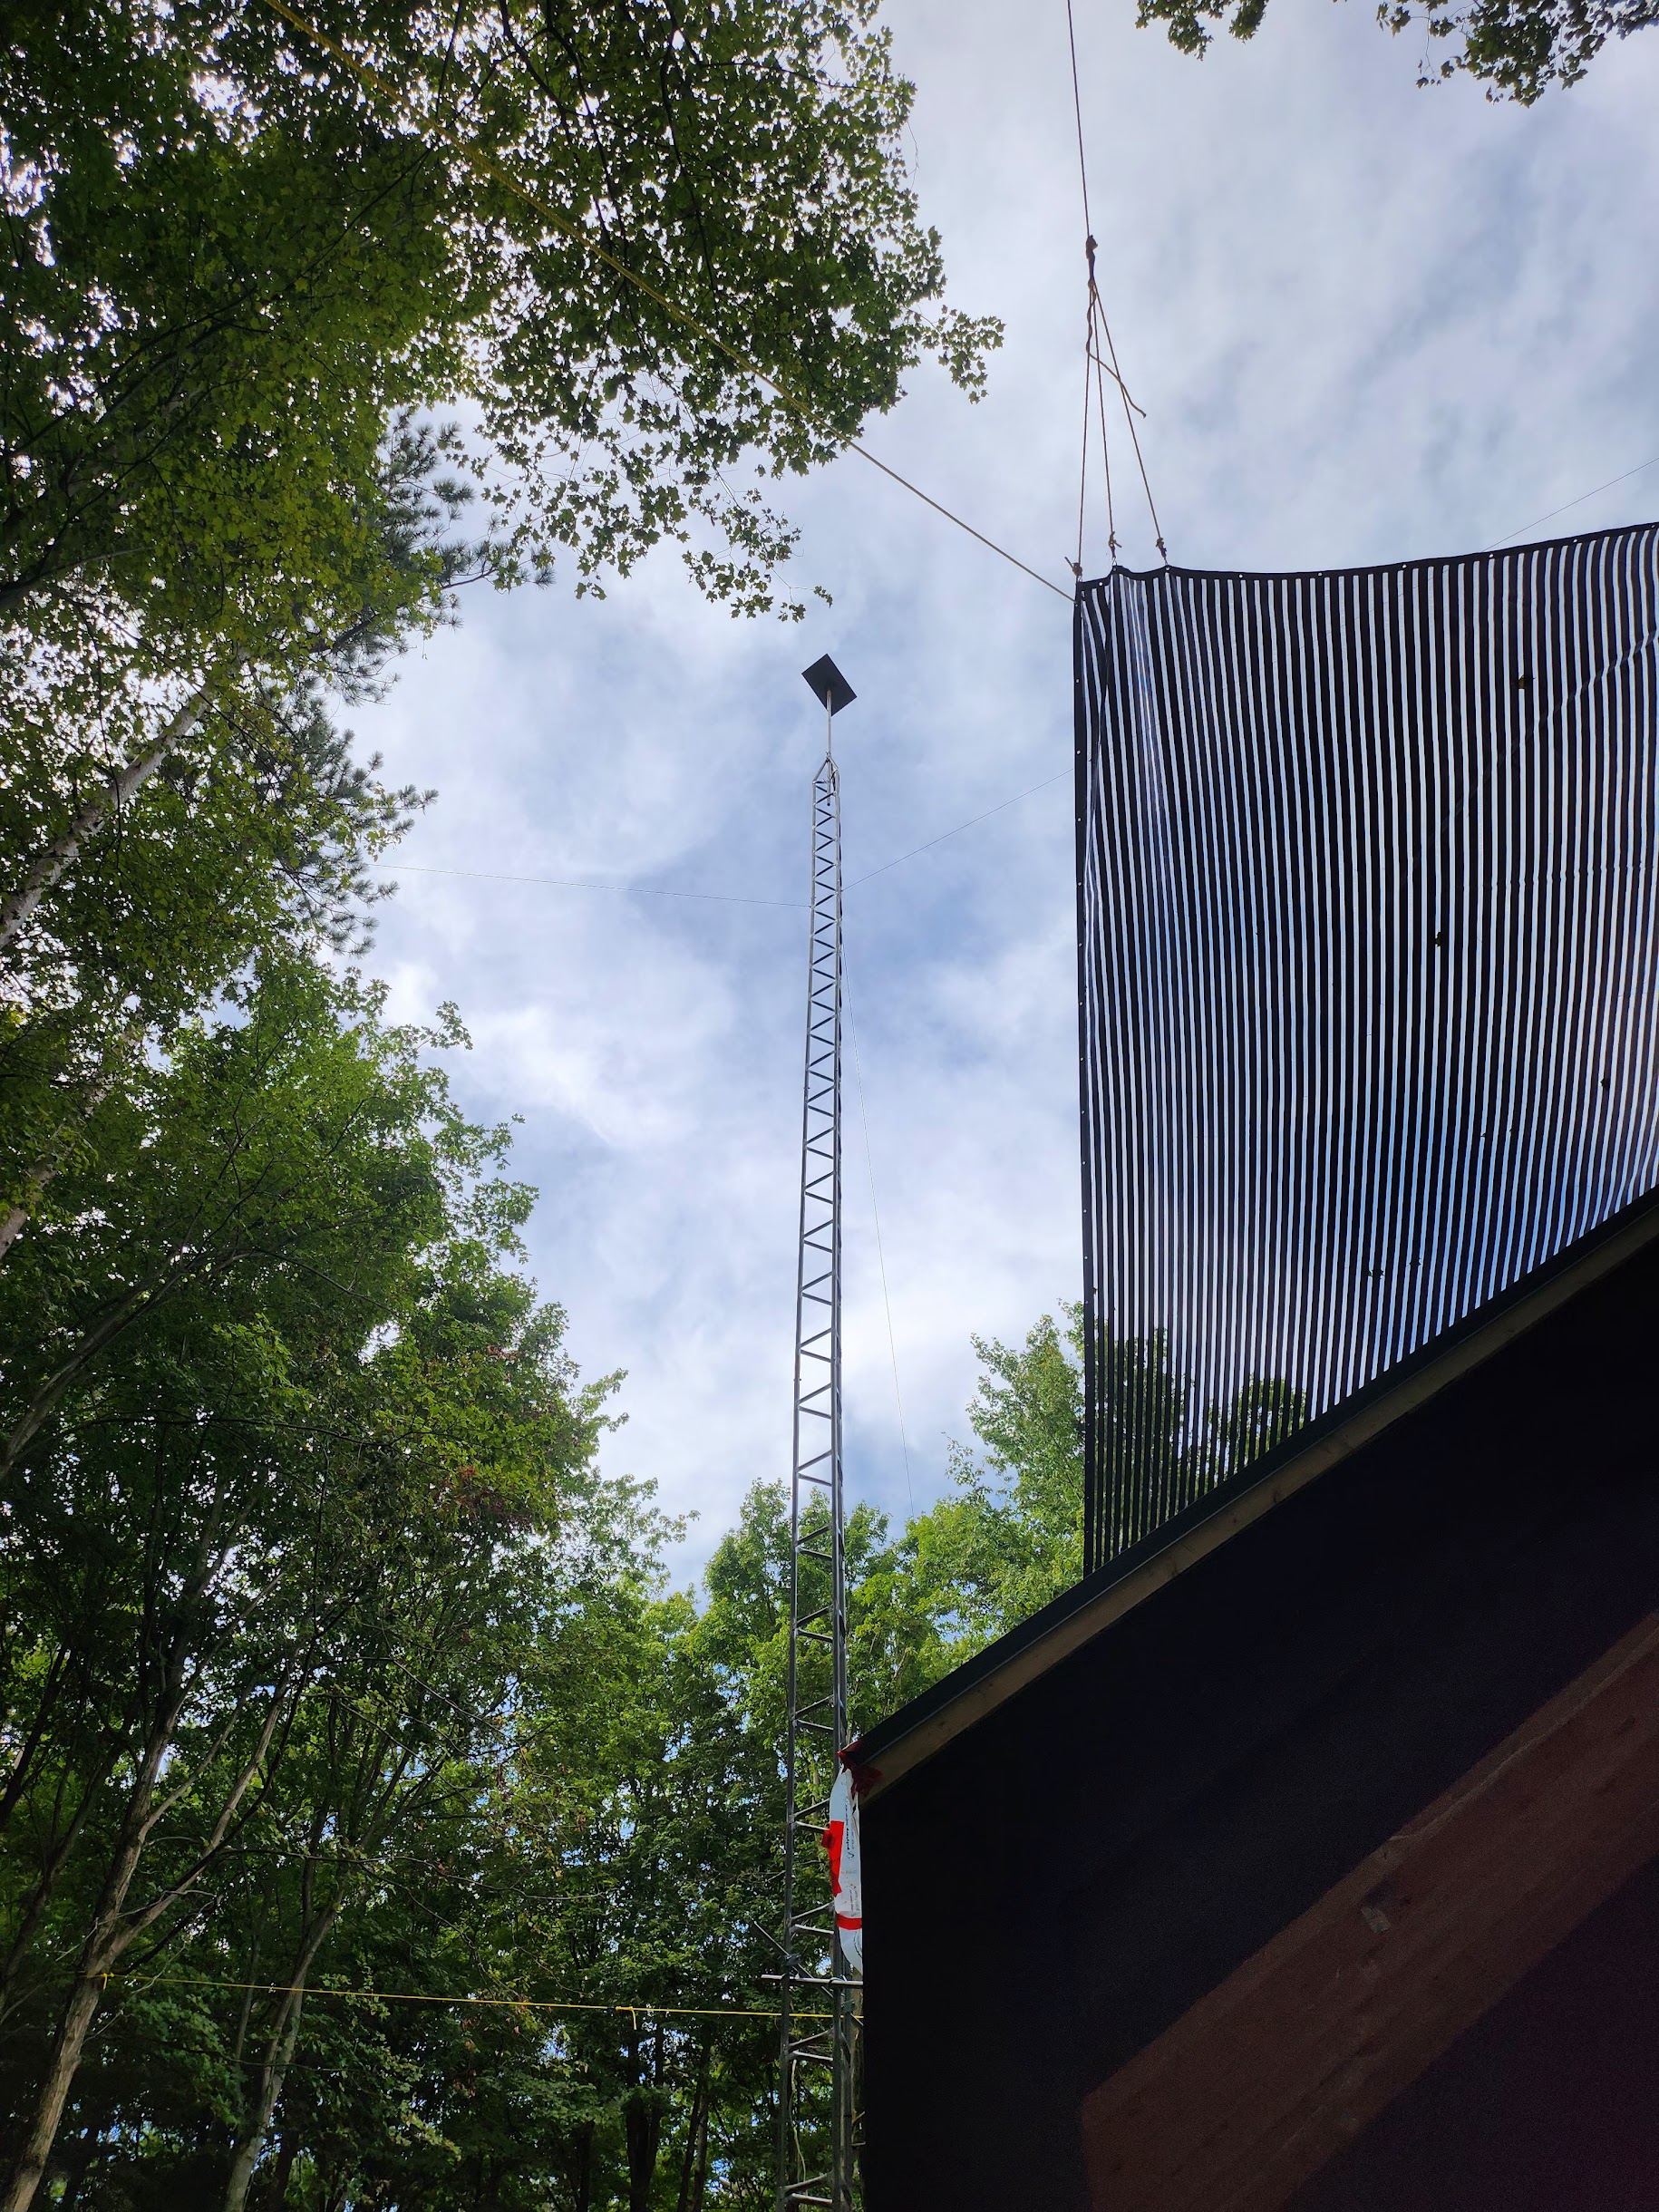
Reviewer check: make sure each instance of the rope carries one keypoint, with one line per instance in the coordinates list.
(403, 1997)
(486, 165)
(1095, 366)
(1129, 410)
(1077, 110)
(1082, 471)
(1082, 466)
(1100, 389)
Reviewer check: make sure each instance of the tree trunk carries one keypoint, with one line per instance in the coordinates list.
(694, 2161)
(278, 2057)
(252, 2141)
(52, 1864)
(105, 1942)
(76, 2171)
(642, 2128)
(581, 2171)
(114, 1929)
(13, 1222)
(38, 1729)
(31, 2166)
(287, 2150)
(50, 864)
(116, 1318)
(701, 2189)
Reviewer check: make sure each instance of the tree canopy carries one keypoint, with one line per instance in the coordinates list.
(244, 238)
(1517, 48)
(310, 315)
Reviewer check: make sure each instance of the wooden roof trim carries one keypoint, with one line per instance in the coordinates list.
(1272, 2073)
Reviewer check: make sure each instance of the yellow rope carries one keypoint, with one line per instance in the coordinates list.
(403, 1996)
(486, 165)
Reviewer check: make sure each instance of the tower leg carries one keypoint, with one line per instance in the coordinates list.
(818, 2127)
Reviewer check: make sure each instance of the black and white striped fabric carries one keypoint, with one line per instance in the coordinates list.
(1368, 961)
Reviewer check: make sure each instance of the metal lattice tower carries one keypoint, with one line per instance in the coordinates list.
(817, 2060)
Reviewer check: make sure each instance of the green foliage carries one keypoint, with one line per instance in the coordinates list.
(1007, 1537)
(1517, 48)
(361, 1777)
(288, 1454)
(239, 247)
(409, 1841)
(284, 303)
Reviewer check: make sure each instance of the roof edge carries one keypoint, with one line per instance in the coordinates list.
(911, 1736)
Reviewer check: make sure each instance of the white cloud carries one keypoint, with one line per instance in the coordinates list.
(1367, 323)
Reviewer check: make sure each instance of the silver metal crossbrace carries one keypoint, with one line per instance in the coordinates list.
(818, 2100)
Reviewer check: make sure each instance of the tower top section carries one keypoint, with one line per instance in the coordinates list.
(829, 686)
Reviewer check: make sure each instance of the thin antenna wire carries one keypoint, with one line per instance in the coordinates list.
(972, 823)
(1579, 501)
(869, 1162)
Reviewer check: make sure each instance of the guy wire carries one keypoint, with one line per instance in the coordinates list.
(1134, 435)
(1100, 386)
(1077, 110)
(1082, 466)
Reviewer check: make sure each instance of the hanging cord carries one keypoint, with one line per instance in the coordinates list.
(1130, 409)
(403, 1997)
(1097, 370)
(1097, 367)
(1082, 465)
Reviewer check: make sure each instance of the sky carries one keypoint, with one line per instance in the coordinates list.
(1366, 322)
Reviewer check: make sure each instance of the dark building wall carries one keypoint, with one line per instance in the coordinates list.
(1059, 1884)
(1549, 2103)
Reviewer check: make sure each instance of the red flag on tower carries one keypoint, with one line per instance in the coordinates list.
(841, 1842)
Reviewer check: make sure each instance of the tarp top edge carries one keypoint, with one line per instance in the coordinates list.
(1095, 585)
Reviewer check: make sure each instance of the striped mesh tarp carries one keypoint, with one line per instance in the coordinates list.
(1367, 971)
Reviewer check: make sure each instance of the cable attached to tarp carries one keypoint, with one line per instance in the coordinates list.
(1097, 367)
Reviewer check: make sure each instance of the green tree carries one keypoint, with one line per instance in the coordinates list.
(181, 1540)
(255, 831)
(244, 236)
(1517, 48)
(646, 258)
(1007, 1537)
